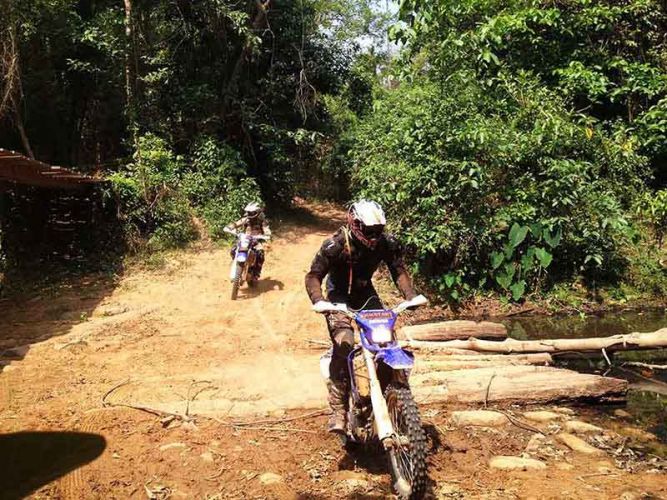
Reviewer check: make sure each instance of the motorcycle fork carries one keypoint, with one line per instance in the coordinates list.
(233, 268)
(383, 426)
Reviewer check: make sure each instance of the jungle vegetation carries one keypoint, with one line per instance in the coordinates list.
(518, 146)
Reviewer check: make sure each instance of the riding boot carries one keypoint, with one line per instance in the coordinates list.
(259, 263)
(338, 394)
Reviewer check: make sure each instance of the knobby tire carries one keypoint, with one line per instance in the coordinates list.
(407, 463)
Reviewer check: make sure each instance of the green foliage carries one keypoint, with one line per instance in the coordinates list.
(606, 58)
(252, 79)
(150, 201)
(99, 86)
(489, 175)
(159, 193)
(498, 186)
(652, 209)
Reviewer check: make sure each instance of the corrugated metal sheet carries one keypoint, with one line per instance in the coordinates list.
(17, 168)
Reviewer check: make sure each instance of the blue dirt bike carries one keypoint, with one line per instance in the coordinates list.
(244, 261)
(381, 406)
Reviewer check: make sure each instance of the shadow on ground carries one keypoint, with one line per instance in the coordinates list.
(62, 253)
(39, 311)
(322, 217)
(30, 460)
(264, 285)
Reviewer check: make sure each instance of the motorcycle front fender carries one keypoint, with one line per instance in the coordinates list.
(397, 358)
(233, 269)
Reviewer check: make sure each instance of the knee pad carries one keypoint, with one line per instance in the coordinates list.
(343, 340)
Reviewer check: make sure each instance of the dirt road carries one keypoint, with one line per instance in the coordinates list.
(172, 340)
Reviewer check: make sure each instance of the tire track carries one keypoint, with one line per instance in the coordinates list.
(74, 486)
(5, 393)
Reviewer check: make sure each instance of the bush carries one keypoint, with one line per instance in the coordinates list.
(652, 209)
(498, 186)
(158, 194)
(150, 201)
(217, 185)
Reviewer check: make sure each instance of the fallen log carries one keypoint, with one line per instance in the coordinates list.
(517, 384)
(455, 330)
(648, 366)
(440, 351)
(631, 341)
(461, 362)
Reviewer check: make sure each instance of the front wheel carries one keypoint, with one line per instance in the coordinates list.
(236, 283)
(407, 459)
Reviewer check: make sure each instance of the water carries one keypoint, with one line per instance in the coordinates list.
(604, 325)
(647, 399)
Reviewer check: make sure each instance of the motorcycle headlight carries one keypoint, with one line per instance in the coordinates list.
(381, 335)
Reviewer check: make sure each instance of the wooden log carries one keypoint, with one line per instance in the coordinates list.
(406, 344)
(455, 330)
(461, 362)
(517, 384)
(631, 341)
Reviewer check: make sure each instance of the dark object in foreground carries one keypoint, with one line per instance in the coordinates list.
(30, 460)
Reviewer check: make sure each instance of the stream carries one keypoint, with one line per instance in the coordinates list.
(647, 398)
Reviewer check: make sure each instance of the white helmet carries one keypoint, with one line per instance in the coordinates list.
(253, 209)
(366, 221)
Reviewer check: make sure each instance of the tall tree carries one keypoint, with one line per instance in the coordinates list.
(11, 86)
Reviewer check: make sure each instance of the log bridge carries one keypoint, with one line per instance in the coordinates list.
(475, 362)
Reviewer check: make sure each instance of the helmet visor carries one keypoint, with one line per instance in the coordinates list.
(372, 232)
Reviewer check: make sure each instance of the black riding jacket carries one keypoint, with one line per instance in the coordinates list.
(333, 259)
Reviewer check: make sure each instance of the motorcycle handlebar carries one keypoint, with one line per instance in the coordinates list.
(237, 234)
(325, 307)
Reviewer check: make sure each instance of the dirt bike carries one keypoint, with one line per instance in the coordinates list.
(243, 263)
(381, 406)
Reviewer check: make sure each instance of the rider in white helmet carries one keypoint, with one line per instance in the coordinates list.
(253, 223)
(350, 258)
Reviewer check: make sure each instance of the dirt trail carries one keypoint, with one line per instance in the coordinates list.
(175, 335)
(165, 330)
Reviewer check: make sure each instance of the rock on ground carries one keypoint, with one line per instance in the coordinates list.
(535, 444)
(543, 416)
(172, 446)
(484, 418)
(579, 427)
(516, 463)
(351, 481)
(577, 444)
(269, 478)
(622, 413)
(638, 434)
(565, 411)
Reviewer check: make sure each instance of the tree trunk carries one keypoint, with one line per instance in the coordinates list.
(24, 136)
(461, 362)
(129, 50)
(259, 22)
(455, 330)
(631, 341)
(12, 87)
(517, 384)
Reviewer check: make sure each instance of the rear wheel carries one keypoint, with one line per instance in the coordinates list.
(407, 459)
(236, 284)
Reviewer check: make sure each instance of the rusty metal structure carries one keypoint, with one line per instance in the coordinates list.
(51, 216)
(16, 168)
